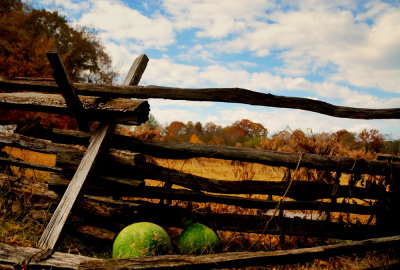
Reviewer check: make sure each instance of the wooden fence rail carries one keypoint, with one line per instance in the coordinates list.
(95, 108)
(232, 95)
(9, 256)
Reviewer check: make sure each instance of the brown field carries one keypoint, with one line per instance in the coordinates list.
(27, 231)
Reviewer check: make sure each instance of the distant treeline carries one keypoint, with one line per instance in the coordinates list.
(245, 133)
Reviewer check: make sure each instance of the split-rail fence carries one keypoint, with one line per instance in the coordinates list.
(107, 167)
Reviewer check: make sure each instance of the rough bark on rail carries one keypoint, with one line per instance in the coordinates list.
(180, 150)
(174, 216)
(109, 186)
(242, 259)
(46, 146)
(95, 108)
(232, 95)
(11, 255)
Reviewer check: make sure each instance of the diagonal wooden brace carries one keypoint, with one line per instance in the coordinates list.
(98, 144)
(67, 89)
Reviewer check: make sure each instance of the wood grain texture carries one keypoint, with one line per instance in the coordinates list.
(67, 89)
(11, 255)
(94, 108)
(31, 143)
(135, 188)
(97, 145)
(102, 186)
(231, 95)
(136, 71)
(68, 154)
(241, 259)
(27, 186)
(9, 160)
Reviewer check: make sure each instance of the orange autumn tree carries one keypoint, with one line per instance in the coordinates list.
(175, 131)
(27, 34)
(244, 132)
(21, 50)
(371, 139)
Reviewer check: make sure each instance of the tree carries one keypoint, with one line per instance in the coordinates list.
(345, 137)
(244, 131)
(7, 6)
(195, 139)
(371, 139)
(198, 128)
(175, 131)
(211, 130)
(250, 129)
(27, 34)
(152, 122)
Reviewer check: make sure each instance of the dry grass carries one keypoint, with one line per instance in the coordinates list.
(223, 169)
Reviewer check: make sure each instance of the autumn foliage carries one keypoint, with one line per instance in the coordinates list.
(245, 133)
(27, 34)
(242, 132)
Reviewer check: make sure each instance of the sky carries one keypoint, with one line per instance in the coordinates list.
(344, 52)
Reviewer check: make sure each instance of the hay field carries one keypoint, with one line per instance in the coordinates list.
(223, 169)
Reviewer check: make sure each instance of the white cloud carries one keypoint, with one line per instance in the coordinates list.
(166, 72)
(241, 65)
(377, 62)
(198, 52)
(163, 116)
(215, 19)
(121, 56)
(121, 23)
(67, 7)
(374, 8)
(315, 36)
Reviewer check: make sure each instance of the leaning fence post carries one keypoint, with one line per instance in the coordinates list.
(98, 143)
(67, 89)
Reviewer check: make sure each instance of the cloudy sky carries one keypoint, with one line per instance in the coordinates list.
(340, 51)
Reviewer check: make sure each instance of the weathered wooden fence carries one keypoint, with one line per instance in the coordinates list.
(84, 172)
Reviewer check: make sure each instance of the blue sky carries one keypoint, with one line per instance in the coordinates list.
(340, 51)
